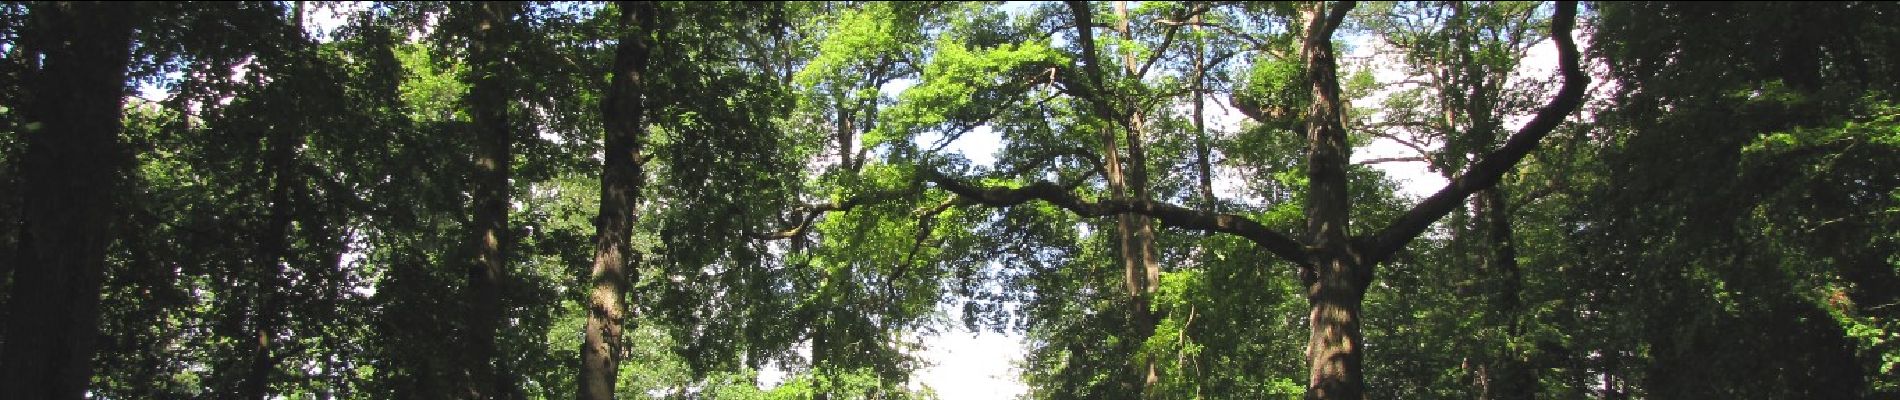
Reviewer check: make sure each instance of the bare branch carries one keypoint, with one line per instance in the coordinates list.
(1382, 160)
(1167, 40)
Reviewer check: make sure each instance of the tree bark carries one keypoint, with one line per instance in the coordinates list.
(622, 178)
(1336, 286)
(72, 163)
(488, 99)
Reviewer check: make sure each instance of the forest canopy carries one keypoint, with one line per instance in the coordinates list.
(1166, 200)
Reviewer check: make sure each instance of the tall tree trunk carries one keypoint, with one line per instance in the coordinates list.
(622, 177)
(488, 97)
(272, 249)
(1511, 374)
(1336, 286)
(1142, 269)
(72, 163)
(1203, 158)
(274, 246)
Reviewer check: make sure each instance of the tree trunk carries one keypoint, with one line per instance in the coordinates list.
(1336, 285)
(488, 98)
(1137, 230)
(1203, 155)
(1127, 244)
(72, 163)
(274, 246)
(621, 181)
(1335, 347)
(1510, 375)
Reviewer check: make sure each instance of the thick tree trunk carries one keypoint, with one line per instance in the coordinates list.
(488, 100)
(1335, 347)
(1337, 283)
(72, 163)
(620, 184)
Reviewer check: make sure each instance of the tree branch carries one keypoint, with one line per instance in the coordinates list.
(812, 211)
(1279, 244)
(1423, 154)
(1491, 168)
(1092, 68)
(1257, 43)
(1382, 160)
(1168, 40)
(1334, 17)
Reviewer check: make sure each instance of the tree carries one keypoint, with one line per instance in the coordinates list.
(461, 200)
(621, 181)
(70, 168)
(491, 32)
(1469, 53)
(1712, 216)
(1335, 266)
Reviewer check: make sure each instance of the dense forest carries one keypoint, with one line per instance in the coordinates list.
(1166, 200)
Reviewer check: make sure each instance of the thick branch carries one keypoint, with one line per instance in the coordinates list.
(1492, 167)
(1334, 17)
(1092, 66)
(1172, 215)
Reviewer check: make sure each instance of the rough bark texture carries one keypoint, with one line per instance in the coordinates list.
(620, 184)
(72, 163)
(1337, 284)
(488, 99)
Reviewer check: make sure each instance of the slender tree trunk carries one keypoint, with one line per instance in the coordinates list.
(1138, 231)
(1203, 161)
(273, 247)
(1336, 286)
(622, 178)
(494, 133)
(1511, 375)
(72, 163)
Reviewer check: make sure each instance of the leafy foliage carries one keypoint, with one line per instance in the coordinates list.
(300, 194)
